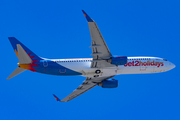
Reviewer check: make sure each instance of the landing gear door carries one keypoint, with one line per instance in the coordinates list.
(109, 72)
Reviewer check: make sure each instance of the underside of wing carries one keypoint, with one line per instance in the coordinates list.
(99, 47)
(100, 50)
(85, 86)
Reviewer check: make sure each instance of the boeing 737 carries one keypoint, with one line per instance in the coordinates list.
(98, 70)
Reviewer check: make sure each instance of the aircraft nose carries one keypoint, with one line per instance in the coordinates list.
(171, 65)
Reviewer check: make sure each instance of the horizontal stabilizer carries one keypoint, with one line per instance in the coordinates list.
(16, 72)
(23, 56)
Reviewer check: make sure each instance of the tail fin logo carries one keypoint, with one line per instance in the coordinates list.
(16, 52)
(31, 65)
(32, 58)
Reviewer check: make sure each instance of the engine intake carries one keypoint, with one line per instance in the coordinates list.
(110, 83)
(120, 60)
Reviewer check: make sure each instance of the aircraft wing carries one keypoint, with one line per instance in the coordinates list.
(100, 50)
(85, 86)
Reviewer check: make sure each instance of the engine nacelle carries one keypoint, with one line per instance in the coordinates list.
(120, 60)
(109, 83)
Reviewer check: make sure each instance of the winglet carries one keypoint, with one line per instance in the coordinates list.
(56, 98)
(87, 17)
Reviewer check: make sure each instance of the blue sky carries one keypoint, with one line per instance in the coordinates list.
(58, 29)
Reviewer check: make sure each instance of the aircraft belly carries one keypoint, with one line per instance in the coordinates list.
(78, 66)
(137, 69)
(104, 72)
(109, 71)
(54, 68)
(158, 69)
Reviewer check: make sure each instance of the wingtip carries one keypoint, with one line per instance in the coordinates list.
(87, 16)
(57, 99)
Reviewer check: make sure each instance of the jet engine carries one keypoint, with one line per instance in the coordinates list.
(120, 60)
(110, 83)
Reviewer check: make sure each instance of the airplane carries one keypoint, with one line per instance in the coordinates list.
(98, 70)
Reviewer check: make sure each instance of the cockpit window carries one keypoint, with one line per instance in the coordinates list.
(164, 59)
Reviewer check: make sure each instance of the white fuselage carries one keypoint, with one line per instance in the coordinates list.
(135, 65)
